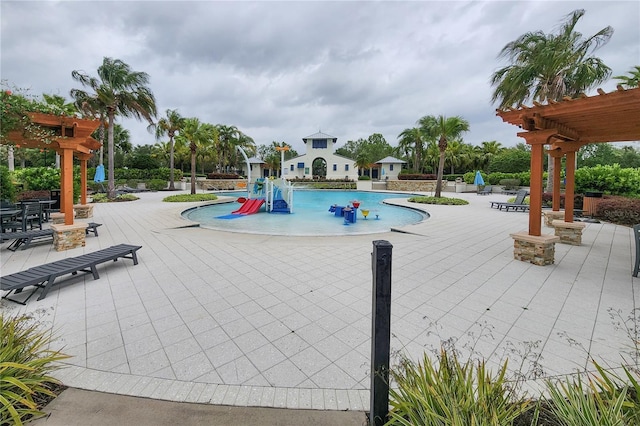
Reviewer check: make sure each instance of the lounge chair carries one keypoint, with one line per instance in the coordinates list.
(484, 191)
(517, 204)
(636, 234)
(44, 276)
(25, 238)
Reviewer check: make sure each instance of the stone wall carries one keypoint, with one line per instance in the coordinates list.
(412, 185)
(220, 184)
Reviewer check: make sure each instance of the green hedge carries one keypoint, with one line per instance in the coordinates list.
(612, 180)
(139, 174)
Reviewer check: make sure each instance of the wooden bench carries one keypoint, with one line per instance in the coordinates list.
(44, 276)
(25, 238)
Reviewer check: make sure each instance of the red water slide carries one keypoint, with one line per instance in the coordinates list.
(250, 206)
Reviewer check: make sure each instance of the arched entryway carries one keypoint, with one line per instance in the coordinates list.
(319, 167)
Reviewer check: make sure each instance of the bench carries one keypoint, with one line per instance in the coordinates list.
(25, 238)
(44, 276)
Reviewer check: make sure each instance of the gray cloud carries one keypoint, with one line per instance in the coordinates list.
(282, 70)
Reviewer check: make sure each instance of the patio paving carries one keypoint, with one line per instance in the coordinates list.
(272, 321)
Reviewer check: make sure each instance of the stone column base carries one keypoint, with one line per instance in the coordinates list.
(569, 232)
(550, 216)
(66, 237)
(83, 211)
(537, 250)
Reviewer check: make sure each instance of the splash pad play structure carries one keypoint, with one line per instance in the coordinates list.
(275, 195)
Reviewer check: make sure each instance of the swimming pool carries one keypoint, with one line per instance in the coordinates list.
(311, 216)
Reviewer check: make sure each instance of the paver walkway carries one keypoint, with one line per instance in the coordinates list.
(255, 320)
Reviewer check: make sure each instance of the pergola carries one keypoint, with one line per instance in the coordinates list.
(72, 138)
(565, 126)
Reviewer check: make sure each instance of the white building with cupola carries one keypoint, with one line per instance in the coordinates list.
(320, 161)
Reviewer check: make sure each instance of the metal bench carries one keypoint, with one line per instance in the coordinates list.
(44, 276)
(25, 238)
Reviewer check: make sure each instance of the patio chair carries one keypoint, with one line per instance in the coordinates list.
(484, 191)
(636, 235)
(31, 215)
(517, 204)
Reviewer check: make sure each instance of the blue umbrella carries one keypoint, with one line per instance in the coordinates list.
(478, 179)
(99, 176)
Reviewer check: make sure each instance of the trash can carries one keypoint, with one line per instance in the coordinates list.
(55, 195)
(590, 202)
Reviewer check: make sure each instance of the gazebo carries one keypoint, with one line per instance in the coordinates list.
(563, 127)
(71, 137)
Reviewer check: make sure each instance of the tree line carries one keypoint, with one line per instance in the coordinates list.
(542, 67)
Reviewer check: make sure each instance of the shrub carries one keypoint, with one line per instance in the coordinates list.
(620, 210)
(547, 200)
(7, 187)
(364, 177)
(452, 393)
(47, 178)
(612, 180)
(102, 198)
(417, 176)
(25, 365)
(184, 198)
(157, 184)
(510, 183)
(439, 200)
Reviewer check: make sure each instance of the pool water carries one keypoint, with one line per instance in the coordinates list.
(311, 216)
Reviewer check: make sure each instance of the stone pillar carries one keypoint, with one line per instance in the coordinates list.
(539, 250)
(83, 211)
(550, 216)
(569, 232)
(66, 237)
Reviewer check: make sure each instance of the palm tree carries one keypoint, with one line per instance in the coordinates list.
(169, 125)
(412, 140)
(197, 135)
(442, 129)
(118, 90)
(550, 66)
(632, 80)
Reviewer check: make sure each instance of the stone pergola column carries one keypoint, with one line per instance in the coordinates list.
(567, 230)
(534, 247)
(83, 210)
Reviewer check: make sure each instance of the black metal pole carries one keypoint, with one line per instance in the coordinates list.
(380, 332)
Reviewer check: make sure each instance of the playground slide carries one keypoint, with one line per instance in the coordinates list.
(250, 206)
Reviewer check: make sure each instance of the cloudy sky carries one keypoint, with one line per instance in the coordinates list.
(280, 71)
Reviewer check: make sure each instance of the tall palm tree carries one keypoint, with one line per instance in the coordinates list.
(169, 126)
(550, 66)
(119, 91)
(442, 129)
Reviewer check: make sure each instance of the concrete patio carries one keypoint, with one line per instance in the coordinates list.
(271, 321)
